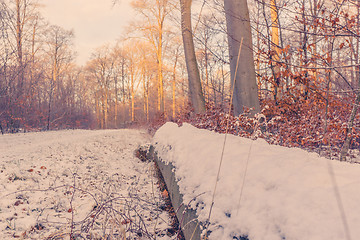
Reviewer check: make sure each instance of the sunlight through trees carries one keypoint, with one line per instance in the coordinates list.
(299, 62)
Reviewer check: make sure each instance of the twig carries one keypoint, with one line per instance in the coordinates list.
(72, 208)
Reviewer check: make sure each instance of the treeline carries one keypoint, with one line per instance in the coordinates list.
(40, 86)
(137, 79)
(306, 55)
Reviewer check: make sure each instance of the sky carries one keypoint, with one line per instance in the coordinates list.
(95, 22)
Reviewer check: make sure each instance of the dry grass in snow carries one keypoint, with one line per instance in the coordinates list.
(78, 185)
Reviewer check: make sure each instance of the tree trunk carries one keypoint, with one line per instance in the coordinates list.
(147, 106)
(258, 54)
(132, 94)
(195, 90)
(53, 83)
(97, 109)
(305, 85)
(349, 128)
(160, 75)
(145, 94)
(106, 108)
(116, 103)
(173, 98)
(350, 125)
(174, 85)
(207, 91)
(19, 46)
(275, 51)
(49, 111)
(242, 68)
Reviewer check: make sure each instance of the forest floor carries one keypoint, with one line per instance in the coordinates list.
(84, 184)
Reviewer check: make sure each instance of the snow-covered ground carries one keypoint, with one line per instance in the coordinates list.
(88, 183)
(264, 192)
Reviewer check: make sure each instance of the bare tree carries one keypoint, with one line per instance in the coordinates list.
(241, 57)
(60, 55)
(101, 68)
(275, 50)
(195, 89)
(121, 72)
(155, 13)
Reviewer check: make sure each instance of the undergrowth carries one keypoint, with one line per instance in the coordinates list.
(303, 122)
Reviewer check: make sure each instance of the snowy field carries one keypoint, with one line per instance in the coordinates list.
(264, 192)
(85, 183)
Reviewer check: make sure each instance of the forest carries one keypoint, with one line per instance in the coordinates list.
(304, 55)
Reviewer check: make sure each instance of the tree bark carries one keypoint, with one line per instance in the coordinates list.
(275, 51)
(195, 90)
(160, 74)
(242, 69)
(174, 86)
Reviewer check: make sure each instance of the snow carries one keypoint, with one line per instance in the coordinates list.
(264, 191)
(50, 181)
